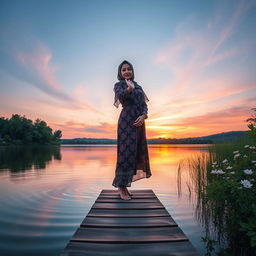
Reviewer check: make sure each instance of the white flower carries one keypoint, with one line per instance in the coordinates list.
(232, 172)
(245, 155)
(214, 163)
(248, 171)
(217, 171)
(252, 147)
(225, 161)
(235, 152)
(246, 146)
(252, 179)
(236, 155)
(246, 183)
(254, 161)
(229, 168)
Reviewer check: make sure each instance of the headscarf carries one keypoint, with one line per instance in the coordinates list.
(120, 78)
(119, 75)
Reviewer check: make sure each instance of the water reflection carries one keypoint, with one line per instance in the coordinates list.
(22, 158)
(40, 211)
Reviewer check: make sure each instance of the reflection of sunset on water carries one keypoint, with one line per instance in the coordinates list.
(42, 202)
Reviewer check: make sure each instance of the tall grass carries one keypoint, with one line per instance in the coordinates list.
(222, 186)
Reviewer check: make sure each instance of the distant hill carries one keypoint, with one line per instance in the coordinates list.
(225, 136)
(214, 138)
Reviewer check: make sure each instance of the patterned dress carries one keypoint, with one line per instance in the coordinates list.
(132, 151)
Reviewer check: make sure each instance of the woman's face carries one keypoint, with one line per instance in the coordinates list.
(126, 71)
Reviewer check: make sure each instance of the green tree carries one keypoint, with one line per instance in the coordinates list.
(42, 132)
(252, 125)
(57, 135)
(20, 130)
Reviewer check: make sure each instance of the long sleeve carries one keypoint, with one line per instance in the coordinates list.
(121, 94)
(145, 109)
(145, 106)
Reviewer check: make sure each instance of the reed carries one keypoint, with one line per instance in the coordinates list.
(222, 187)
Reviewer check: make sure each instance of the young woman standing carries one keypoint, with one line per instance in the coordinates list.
(132, 151)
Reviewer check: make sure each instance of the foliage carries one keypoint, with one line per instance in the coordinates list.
(252, 125)
(250, 227)
(231, 193)
(209, 245)
(223, 182)
(20, 130)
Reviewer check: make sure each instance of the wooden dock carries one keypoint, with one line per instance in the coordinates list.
(140, 226)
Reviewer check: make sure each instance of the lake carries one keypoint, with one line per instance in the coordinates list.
(47, 191)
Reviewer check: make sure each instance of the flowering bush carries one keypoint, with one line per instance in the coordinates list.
(231, 191)
(223, 186)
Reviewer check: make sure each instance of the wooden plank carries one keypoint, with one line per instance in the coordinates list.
(119, 200)
(128, 222)
(112, 213)
(109, 249)
(135, 227)
(134, 192)
(129, 235)
(128, 205)
(137, 191)
(138, 196)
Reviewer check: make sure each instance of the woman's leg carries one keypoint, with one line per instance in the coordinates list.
(128, 192)
(123, 193)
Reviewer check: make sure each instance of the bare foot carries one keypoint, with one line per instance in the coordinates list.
(128, 192)
(123, 194)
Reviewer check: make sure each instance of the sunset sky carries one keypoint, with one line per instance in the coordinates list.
(195, 60)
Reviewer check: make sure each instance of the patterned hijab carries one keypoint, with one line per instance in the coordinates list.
(121, 79)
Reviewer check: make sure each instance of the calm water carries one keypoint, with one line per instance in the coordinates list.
(46, 192)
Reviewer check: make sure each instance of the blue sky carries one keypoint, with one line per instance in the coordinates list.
(194, 59)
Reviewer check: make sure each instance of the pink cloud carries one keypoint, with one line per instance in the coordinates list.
(71, 129)
(192, 52)
(234, 20)
(229, 119)
(29, 60)
(39, 60)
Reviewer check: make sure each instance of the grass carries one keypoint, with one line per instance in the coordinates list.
(222, 186)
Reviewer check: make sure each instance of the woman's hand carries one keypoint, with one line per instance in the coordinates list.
(130, 85)
(139, 121)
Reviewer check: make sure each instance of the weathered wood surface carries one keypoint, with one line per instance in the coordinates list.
(139, 226)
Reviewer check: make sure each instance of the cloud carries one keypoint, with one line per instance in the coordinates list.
(227, 30)
(28, 59)
(64, 105)
(206, 66)
(209, 123)
(72, 129)
(192, 52)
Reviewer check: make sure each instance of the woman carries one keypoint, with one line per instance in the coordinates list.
(132, 152)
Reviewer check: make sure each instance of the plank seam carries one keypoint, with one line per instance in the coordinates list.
(129, 242)
(99, 226)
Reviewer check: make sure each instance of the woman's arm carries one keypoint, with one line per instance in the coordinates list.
(145, 110)
(122, 93)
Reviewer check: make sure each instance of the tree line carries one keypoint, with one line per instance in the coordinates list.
(20, 130)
